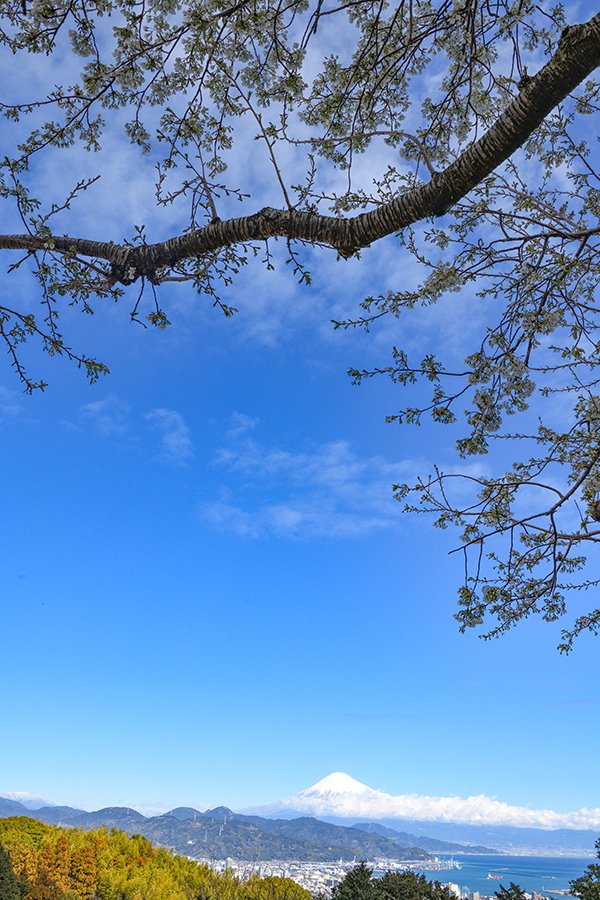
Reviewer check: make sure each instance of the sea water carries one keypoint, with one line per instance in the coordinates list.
(548, 875)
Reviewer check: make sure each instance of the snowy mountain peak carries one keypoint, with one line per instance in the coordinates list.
(341, 796)
(337, 794)
(336, 783)
(29, 801)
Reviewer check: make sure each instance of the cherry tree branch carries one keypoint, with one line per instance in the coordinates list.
(576, 56)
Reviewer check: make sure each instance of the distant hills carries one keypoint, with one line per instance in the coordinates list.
(219, 833)
(506, 838)
(434, 845)
(12, 808)
(31, 801)
(319, 824)
(475, 821)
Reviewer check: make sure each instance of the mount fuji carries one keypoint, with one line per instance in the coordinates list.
(435, 824)
(336, 795)
(474, 819)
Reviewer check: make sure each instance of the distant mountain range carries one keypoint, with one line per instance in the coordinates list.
(51, 814)
(324, 822)
(506, 839)
(433, 845)
(474, 821)
(30, 801)
(219, 833)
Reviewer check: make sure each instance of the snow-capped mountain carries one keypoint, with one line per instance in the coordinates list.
(342, 797)
(334, 784)
(338, 794)
(29, 801)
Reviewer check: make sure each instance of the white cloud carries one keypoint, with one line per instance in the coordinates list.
(240, 424)
(113, 418)
(108, 417)
(476, 810)
(326, 491)
(306, 519)
(10, 407)
(339, 795)
(176, 442)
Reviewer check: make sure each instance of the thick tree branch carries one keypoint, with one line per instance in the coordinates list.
(577, 55)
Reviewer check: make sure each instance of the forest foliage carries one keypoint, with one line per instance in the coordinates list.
(361, 884)
(52, 863)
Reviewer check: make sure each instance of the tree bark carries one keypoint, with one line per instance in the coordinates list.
(576, 56)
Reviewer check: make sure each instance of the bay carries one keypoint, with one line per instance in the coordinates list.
(547, 875)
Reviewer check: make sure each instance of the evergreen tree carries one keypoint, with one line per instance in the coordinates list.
(9, 886)
(588, 886)
(513, 892)
(356, 885)
(409, 886)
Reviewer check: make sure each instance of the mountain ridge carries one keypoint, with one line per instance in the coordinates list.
(332, 801)
(342, 797)
(220, 833)
(29, 801)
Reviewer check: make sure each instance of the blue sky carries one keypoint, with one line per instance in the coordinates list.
(155, 654)
(209, 596)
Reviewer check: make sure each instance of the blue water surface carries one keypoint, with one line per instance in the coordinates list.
(547, 875)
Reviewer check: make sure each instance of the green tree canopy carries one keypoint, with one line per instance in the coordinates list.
(478, 120)
(357, 884)
(512, 892)
(52, 863)
(9, 885)
(588, 886)
(409, 886)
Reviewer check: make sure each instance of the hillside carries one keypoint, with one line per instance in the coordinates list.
(340, 799)
(64, 863)
(434, 845)
(219, 833)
